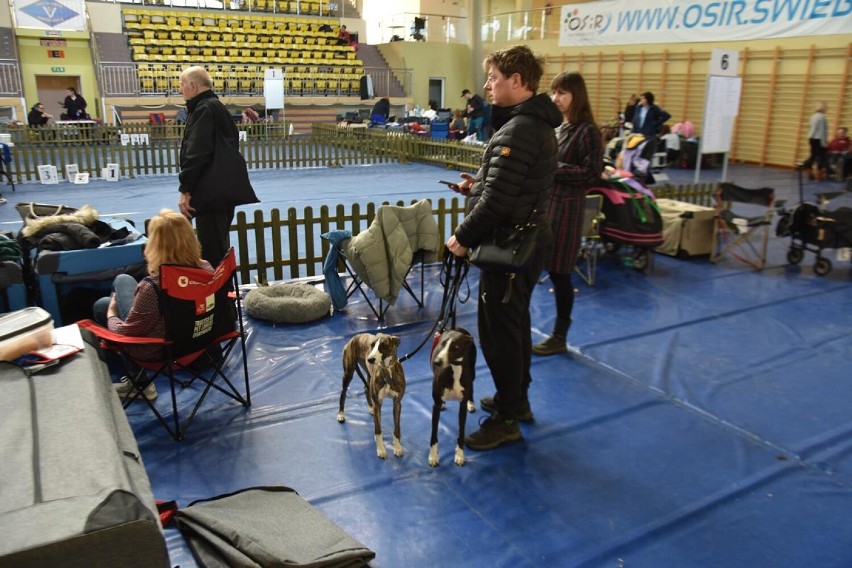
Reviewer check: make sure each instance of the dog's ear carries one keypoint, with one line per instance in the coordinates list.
(464, 331)
(394, 340)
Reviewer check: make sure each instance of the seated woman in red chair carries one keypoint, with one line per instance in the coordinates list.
(133, 309)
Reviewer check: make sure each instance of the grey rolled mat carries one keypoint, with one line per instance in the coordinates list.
(266, 527)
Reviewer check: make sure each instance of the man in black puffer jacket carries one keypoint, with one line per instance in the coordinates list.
(512, 185)
(213, 174)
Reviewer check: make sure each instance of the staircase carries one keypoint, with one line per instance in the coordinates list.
(385, 83)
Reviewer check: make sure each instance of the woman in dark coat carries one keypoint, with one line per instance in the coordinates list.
(580, 164)
(75, 105)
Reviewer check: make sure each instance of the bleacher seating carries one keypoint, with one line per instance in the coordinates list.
(237, 48)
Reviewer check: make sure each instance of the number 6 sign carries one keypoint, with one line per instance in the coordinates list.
(724, 62)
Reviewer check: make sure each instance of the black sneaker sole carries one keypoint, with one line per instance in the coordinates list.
(486, 403)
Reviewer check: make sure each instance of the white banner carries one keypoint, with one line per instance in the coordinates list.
(52, 14)
(617, 22)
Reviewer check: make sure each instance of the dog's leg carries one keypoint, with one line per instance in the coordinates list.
(347, 378)
(397, 411)
(433, 444)
(377, 429)
(367, 391)
(459, 459)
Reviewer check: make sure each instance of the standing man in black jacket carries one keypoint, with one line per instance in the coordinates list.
(512, 185)
(213, 174)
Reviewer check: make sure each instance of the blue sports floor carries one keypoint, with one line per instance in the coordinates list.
(703, 419)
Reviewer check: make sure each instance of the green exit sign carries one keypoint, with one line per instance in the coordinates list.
(57, 69)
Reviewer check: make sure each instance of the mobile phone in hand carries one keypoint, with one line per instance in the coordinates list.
(451, 185)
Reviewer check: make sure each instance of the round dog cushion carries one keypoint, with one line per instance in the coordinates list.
(288, 303)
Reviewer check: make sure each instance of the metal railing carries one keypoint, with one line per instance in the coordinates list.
(316, 80)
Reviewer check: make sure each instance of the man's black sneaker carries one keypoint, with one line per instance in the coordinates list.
(494, 431)
(487, 404)
(553, 345)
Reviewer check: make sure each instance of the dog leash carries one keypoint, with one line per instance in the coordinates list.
(454, 270)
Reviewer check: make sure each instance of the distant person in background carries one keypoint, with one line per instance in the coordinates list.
(457, 126)
(672, 144)
(818, 139)
(579, 166)
(343, 37)
(381, 112)
(432, 112)
(649, 118)
(474, 114)
(838, 154)
(213, 175)
(630, 109)
(37, 116)
(74, 105)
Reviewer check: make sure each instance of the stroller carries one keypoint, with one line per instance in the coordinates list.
(632, 219)
(816, 227)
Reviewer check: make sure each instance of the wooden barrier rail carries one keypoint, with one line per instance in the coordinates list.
(151, 150)
(289, 245)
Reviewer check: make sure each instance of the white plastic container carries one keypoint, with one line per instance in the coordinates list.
(23, 331)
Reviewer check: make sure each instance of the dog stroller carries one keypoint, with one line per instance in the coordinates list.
(632, 220)
(816, 228)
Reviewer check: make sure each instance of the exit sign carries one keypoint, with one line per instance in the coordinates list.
(57, 69)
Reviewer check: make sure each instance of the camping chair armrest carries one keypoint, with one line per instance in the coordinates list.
(104, 334)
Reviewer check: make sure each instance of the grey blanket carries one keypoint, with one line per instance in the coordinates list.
(269, 527)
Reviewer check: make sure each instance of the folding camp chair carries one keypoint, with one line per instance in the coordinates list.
(590, 243)
(743, 222)
(202, 332)
(379, 305)
(399, 240)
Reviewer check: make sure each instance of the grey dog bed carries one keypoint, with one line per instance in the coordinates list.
(288, 303)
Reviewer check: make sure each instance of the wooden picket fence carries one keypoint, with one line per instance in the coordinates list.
(141, 150)
(289, 245)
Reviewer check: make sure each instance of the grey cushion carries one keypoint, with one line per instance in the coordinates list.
(288, 303)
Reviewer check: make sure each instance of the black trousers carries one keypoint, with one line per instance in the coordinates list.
(213, 228)
(818, 156)
(504, 333)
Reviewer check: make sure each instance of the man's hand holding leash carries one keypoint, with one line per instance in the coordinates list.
(463, 188)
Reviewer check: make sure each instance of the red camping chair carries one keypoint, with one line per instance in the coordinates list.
(202, 331)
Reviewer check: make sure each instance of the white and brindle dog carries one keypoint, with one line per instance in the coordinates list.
(377, 356)
(454, 368)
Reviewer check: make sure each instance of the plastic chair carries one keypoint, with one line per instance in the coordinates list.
(202, 332)
(743, 222)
